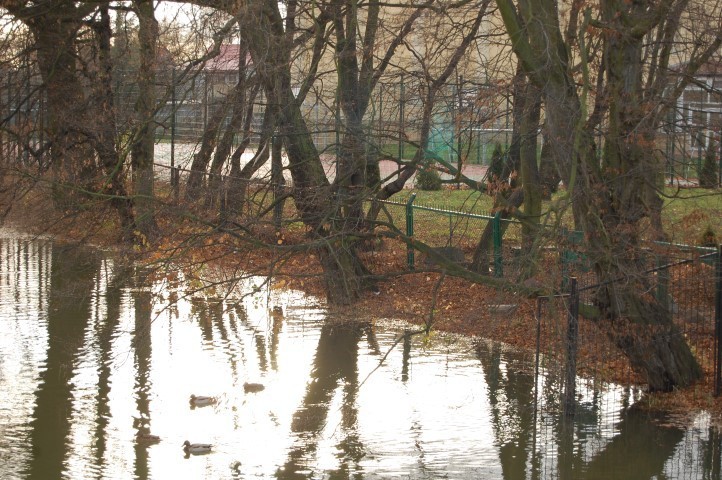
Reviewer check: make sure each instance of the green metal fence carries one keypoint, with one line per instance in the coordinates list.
(455, 229)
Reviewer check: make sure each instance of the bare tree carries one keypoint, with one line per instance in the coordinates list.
(609, 198)
(79, 132)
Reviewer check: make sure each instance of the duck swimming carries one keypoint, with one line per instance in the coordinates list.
(252, 387)
(196, 448)
(146, 438)
(202, 401)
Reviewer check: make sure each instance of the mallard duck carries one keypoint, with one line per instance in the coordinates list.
(196, 448)
(252, 387)
(201, 401)
(146, 438)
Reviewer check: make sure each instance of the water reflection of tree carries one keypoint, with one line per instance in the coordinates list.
(276, 324)
(335, 364)
(105, 332)
(712, 454)
(72, 278)
(142, 347)
(511, 396)
(638, 450)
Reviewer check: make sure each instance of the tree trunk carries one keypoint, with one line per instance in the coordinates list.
(104, 139)
(607, 202)
(201, 159)
(644, 331)
(238, 183)
(222, 153)
(482, 252)
(549, 177)
(269, 47)
(72, 157)
(143, 147)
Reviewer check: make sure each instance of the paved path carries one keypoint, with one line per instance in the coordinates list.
(183, 156)
(389, 169)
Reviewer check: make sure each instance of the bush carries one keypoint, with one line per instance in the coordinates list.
(709, 174)
(496, 168)
(427, 178)
(708, 238)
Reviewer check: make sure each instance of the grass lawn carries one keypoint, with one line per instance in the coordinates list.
(687, 214)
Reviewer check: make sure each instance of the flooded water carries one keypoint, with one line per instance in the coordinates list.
(91, 354)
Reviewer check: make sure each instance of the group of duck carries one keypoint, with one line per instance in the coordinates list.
(196, 401)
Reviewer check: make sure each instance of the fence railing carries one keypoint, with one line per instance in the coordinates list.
(460, 230)
(691, 289)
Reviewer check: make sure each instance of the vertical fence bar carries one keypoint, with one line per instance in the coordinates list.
(277, 179)
(719, 164)
(718, 324)
(406, 356)
(205, 101)
(459, 128)
(570, 382)
(337, 129)
(174, 173)
(41, 120)
(6, 138)
(410, 230)
(401, 119)
(662, 282)
(380, 135)
(496, 237)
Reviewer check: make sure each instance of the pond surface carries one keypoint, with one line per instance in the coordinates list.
(91, 354)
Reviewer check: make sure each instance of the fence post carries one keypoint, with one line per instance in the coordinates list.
(406, 356)
(401, 119)
(719, 165)
(538, 314)
(570, 385)
(174, 173)
(496, 237)
(718, 324)
(172, 120)
(277, 179)
(410, 230)
(663, 283)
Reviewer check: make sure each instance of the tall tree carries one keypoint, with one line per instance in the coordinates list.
(610, 198)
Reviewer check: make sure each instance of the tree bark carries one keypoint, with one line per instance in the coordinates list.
(143, 147)
(105, 131)
(55, 31)
(482, 252)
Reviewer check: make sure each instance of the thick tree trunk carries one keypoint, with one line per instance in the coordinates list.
(143, 148)
(644, 331)
(201, 159)
(311, 190)
(345, 276)
(606, 201)
(72, 157)
(549, 177)
(482, 252)
(529, 170)
(104, 138)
